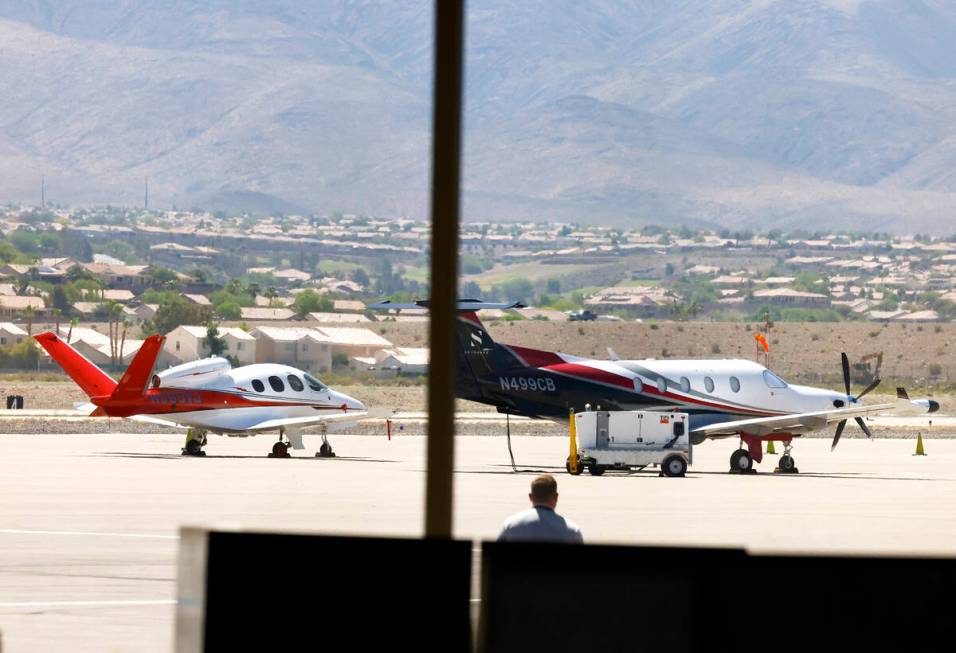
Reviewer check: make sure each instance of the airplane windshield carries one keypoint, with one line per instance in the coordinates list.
(772, 380)
(314, 383)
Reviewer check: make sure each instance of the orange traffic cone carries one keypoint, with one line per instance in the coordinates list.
(770, 449)
(919, 445)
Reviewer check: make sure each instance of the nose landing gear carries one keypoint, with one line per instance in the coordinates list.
(325, 450)
(786, 465)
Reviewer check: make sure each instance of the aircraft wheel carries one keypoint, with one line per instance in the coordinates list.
(596, 470)
(325, 451)
(741, 461)
(675, 466)
(280, 450)
(786, 463)
(194, 448)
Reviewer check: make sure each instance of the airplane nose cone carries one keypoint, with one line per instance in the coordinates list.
(351, 403)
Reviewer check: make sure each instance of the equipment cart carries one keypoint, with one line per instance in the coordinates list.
(629, 439)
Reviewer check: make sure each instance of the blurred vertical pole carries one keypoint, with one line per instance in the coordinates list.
(446, 164)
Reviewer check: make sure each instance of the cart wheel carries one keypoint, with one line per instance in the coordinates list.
(567, 466)
(674, 466)
(596, 470)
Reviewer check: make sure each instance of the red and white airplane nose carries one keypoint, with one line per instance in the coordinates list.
(349, 403)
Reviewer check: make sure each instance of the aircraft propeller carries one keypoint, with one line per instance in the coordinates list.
(850, 399)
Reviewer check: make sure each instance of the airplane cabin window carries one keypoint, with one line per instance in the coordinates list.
(685, 384)
(258, 385)
(638, 386)
(661, 384)
(295, 383)
(772, 380)
(314, 383)
(276, 383)
(709, 384)
(735, 384)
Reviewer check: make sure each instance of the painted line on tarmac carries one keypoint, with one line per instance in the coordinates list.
(154, 536)
(53, 604)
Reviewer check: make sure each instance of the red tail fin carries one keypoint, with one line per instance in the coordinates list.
(93, 381)
(136, 377)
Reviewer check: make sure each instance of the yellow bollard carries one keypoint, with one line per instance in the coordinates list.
(919, 445)
(770, 449)
(573, 457)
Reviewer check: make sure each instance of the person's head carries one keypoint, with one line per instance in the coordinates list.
(544, 491)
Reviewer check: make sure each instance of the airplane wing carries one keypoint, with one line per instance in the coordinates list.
(151, 419)
(802, 422)
(350, 416)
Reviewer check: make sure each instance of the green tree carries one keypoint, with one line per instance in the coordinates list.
(213, 341)
(177, 310)
(309, 301)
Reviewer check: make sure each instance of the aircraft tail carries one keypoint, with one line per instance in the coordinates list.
(137, 375)
(479, 357)
(91, 379)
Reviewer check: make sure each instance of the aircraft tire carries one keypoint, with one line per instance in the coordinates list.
(741, 461)
(194, 448)
(596, 470)
(786, 463)
(675, 466)
(280, 450)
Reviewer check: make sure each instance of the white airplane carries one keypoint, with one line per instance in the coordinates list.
(209, 396)
(725, 398)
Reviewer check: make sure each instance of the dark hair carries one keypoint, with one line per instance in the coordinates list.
(544, 488)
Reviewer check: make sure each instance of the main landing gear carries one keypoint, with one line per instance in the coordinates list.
(195, 441)
(325, 450)
(742, 460)
(786, 464)
(280, 449)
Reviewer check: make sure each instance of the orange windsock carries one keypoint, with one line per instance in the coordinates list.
(762, 341)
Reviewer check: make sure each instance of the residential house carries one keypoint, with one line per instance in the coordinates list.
(299, 347)
(790, 297)
(188, 343)
(257, 314)
(338, 318)
(352, 341)
(404, 360)
(348, 306)
(19, 306)
(11, 334)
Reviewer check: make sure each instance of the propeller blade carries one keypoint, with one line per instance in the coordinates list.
(875, 383)
(846, 372)
(839, 432)
(859, 420)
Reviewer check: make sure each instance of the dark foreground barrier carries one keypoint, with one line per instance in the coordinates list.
(254, 591)
(560, 597)
(276, 592)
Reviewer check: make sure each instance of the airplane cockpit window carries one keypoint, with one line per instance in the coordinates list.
(684, 384)
(295, 383)
(708, 384)
(276, 383)
(772, 380)
(314, 383)
(258, 385)
(735, 384)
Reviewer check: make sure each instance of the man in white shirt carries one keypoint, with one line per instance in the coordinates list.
(540, 522)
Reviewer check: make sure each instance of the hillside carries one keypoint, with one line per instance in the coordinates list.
(779, 113)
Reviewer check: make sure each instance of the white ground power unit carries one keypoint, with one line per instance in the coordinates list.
(629, 439)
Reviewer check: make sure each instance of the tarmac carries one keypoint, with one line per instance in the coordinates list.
(89, 523)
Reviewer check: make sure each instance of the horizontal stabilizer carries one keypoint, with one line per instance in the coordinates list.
(91, 379)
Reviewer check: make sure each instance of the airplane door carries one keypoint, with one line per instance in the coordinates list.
(603, 436)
